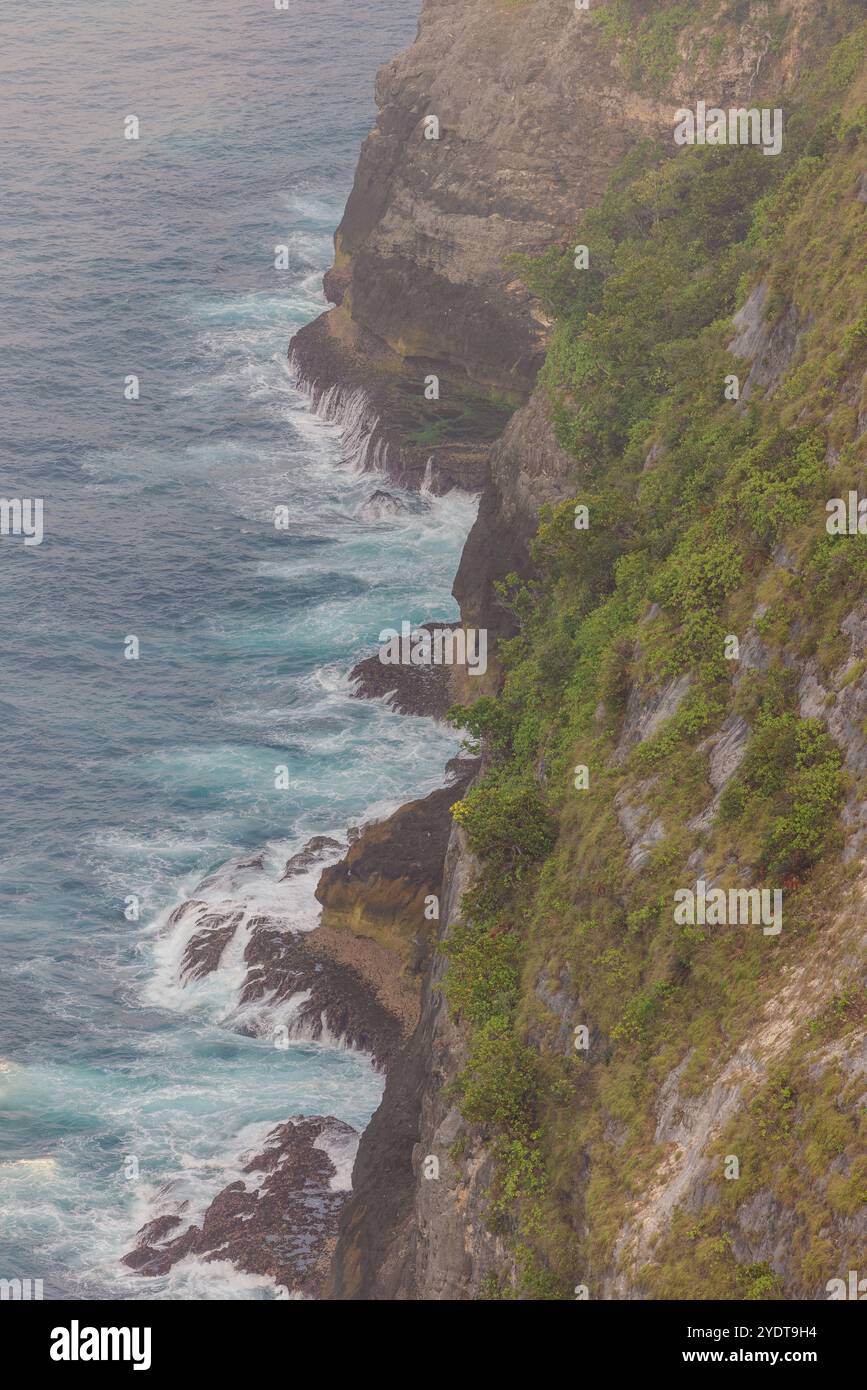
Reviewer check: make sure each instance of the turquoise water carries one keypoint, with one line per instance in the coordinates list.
(140, 777)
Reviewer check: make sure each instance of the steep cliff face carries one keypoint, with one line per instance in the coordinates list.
(503, 1161)
(376, 899)
(528, 470)
(412, 1229)
(535, 103)
(422, 251)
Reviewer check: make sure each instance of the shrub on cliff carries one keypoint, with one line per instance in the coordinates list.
(484, 971)
(508, 824)
(498, 1084)
(790, 785)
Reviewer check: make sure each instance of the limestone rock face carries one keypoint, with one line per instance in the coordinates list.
(533, 113)
(378, 892)
(534, 110)
(768, 346)
(527, 470)
(411, 1231)
(423, 246)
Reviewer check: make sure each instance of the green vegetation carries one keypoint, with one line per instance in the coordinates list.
(790, 784)
(654, 41)
(649, 41)
(706, 518)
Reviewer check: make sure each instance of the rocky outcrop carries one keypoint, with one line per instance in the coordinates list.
(422, 690)
(528, 470)
(768, 343)
(421, 277)
(725, 750)
(534, 108)
(642, 829)
(380, 505)
(317, 848)
(291, 976)
(278, 1221)
(329, 999)
(843, 705)
(386, 421)
(204, 951)
(422, 255)
(414, 1227)
(379, 903)
(354, 980)
(648, 706)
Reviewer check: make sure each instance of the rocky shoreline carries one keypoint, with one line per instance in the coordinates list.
(428, 362)
(278, 1221)
(385, 420)
(354, 981)
(425, 282)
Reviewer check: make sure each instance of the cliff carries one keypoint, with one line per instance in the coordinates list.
(534, 110)
(585, 1067)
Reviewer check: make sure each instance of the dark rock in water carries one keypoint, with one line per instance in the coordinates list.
(359, 970)
(205, 949)
(315, 850)
(151, 1235)
(215, 929)
(381, 504)
(256, 861)
(348, 994)
(178, 913)
(340, 1001)
(283, 1229)
(231, 878)
(422, 690)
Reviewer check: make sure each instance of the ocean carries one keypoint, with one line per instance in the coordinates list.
(128, 781)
